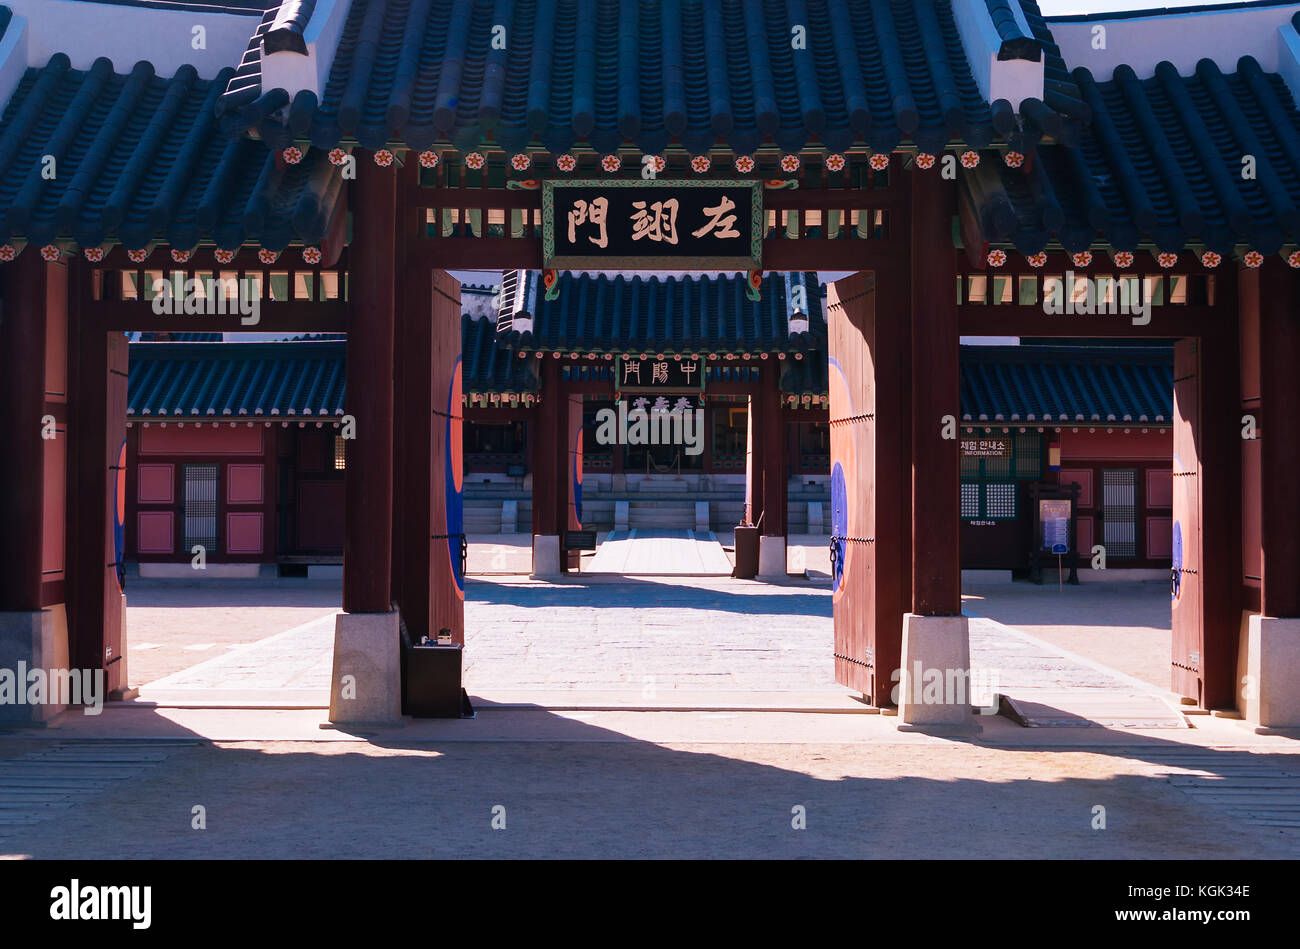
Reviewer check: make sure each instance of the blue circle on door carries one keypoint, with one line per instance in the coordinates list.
(1176, 573)
(839, 523)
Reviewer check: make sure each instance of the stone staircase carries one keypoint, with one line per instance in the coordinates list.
(648, 507)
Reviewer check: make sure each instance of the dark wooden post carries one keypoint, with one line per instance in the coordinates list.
(1220, 472)
(1279, 393)
(550, 458)
(936, 561)
(368, 489)
(754, 439)
(775, 441)
(22, 393)
(97, 430)
(412, 439)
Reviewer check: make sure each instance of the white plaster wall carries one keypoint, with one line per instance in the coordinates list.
(13, 57)
(1013, 80)
(126, 35)
(1181, 38)
(294, 72)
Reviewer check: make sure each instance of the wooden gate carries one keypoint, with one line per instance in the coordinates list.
(1186, 575)
(446, 504)
(573, 520)
(851, 313)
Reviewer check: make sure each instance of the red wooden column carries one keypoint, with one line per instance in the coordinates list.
(772, 461)
(1266, 688)
(1279, 392)
(754, 439)
(368, 485)
(550, 459)
(936, 469)
(935, 634)
(22, 396)
(96, 490)
(1221, 514)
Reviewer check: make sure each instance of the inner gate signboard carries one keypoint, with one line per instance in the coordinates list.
(682, 225)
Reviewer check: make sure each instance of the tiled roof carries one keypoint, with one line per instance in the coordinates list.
(701, 72)
(138, 158)
(1059, 90)
(228, 381)
(1017, 43)
(293, 378)
(600, 313)
(281, 29)
(1162, 162)
(230, 7)
(1067, 384)
(487, 367)
(181, 337)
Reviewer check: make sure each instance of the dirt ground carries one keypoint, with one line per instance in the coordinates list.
(599, 798)
(173, 626)
(1125, 626)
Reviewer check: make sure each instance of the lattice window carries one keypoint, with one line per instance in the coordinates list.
(1029, 456)
(970, 501)
(1000, 501)
(340, 453)
(200, 507)
(1119, 513)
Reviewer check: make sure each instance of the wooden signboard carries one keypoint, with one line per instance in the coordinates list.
(648, 224)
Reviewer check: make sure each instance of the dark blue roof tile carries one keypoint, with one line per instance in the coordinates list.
(698, 72)
(139, 159)
(1162, 162)
(603, 313)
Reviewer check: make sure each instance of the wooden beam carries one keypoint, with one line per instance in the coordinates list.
(1169, 321)
(479, 253)
(782, 254)
(290, 316)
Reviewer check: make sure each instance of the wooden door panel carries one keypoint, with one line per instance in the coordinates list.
(850, 312)
(1186, 575)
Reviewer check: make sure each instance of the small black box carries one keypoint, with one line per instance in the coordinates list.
(432, 687)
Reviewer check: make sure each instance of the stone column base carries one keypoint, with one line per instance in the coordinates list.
(35, 640)
(1273, 668)
(771, 557)
(366, 686)
(934, 682)
(546, 557)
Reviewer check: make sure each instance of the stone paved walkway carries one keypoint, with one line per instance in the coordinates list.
(659, 642)
(659, 553)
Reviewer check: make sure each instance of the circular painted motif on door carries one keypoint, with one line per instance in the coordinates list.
(1176, 573)
(452, 480)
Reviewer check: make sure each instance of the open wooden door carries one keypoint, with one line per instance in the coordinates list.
(446, 503)
(1186, 575)
(573, 520)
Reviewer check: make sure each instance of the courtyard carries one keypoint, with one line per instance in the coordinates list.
(645, 717)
